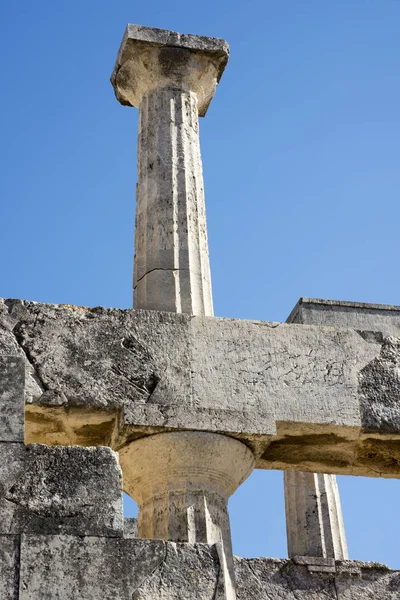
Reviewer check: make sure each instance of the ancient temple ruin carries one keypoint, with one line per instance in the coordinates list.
(177, 407)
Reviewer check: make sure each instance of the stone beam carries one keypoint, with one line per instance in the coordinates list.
(313, 398)
(171, 78)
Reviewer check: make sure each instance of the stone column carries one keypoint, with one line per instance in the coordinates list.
(171, 78)
(181, 480)
(314, 519)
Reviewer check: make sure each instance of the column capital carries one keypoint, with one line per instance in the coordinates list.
(150, 59)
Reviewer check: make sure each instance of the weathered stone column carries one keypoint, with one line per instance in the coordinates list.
(171, 78)
(314, 519)
(181, 480)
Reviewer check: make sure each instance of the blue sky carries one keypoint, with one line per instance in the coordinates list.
(301, 151)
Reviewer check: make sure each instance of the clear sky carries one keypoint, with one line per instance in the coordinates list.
(301, 150)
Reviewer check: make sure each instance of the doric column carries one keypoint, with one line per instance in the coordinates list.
(314, 518)
(172, 270)
(171, 79)
(314, 521)
(181, 480)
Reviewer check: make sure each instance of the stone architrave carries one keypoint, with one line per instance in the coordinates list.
(314, 518)
(312, 398)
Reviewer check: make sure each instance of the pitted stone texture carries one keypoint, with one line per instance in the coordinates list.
(12, 402)
(380, 389)
(67, 568)
(172, 269)
(290, 392)
(13, 457)
(362, 316)
(273, 579)
(314, 520)
(130, 527)
(9, 567)
(60, 490)
(157, 58)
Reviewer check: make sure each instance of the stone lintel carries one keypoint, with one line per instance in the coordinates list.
(149, 58)
(301, 396)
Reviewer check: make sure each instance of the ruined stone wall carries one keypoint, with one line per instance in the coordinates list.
(63, 535)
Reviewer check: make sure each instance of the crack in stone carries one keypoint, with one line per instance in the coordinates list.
(156, 269)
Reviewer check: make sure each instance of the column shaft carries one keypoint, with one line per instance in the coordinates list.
(314, 520)
(171, 270)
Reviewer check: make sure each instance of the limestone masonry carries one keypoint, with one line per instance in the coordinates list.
(177, 407)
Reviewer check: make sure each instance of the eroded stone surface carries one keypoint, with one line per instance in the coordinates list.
(273, 579)
(171, 268)
(66, 568)
(60, 490)
(9, 567)
(130, 527)
(12, 388)
(150, 58)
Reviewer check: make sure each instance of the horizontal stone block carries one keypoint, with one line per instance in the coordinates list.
(60, 490)
(67, 568)
(310, 397)
(362, 316)
(12, 401)
(9, 567)
(273, 579)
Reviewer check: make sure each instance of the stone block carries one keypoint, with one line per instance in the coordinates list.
(130, 527)
(356, 580)
(12, 464)
(362, 316)
(273, 579)
(12, 402)
(9, 567)
(60, 490)
(67, 568)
